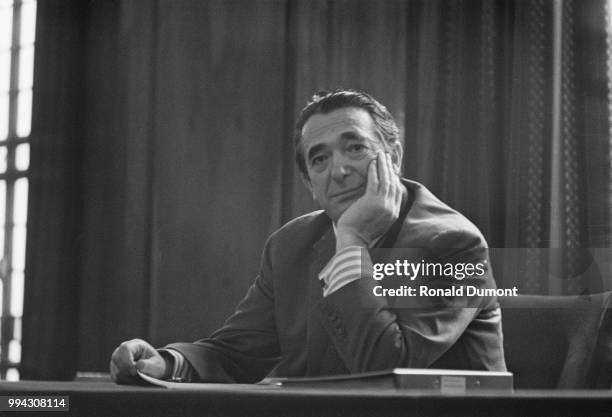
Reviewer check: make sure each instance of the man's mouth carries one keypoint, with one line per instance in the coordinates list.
(351, 192)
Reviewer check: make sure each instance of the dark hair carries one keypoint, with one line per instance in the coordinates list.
(324, 102)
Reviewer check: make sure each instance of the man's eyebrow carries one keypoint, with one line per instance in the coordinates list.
(350, 135)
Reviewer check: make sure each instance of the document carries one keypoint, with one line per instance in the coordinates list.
(200, 386)
(445, 381)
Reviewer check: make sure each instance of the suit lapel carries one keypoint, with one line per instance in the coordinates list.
(318, 343)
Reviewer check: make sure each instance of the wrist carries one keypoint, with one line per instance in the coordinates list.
(169, 364)
(346, 238)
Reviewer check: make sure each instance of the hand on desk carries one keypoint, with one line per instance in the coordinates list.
(133, 355)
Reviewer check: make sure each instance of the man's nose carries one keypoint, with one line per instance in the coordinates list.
(340, 168)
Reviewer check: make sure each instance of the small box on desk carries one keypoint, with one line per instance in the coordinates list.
(446, 381)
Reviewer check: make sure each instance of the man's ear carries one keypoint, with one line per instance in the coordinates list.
(396, 157)
(307, 184)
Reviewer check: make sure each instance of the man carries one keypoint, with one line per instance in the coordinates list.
(314, 309)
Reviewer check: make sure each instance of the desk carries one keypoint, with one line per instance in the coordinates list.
(108, 399)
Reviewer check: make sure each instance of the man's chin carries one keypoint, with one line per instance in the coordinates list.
(338, 210)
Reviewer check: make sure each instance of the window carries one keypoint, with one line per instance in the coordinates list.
(17, 36)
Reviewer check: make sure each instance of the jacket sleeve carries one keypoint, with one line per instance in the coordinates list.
(246, 347)
(373, 332)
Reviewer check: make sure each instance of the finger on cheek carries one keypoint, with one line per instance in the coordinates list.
(373, 176)
(381, 165)
(396, 167)
(392, 170)
(385, 174)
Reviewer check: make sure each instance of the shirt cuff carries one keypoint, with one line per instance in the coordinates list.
(181, 370)
(348, 265)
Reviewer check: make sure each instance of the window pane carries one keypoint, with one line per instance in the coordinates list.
(4, 109)
(14, 352)
(6, 24)
(12, 374)
(24, 113)
(28, 22)
(22, 156)
(19, 245)
(17, 294)
(2, 159)
(5, 71)
(20, 205)
(26, 67)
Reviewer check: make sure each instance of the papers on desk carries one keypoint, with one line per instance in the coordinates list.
(155, 381)
(198, 386)
(445, 381)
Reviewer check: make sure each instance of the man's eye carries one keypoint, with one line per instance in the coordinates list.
(317, 160)
(356, 147)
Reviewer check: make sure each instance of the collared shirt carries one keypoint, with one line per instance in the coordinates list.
(181, 370)
(346, 266)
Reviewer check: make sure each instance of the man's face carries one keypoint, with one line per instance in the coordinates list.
(338, 148)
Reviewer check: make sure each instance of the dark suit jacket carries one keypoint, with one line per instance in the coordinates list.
(284, 326)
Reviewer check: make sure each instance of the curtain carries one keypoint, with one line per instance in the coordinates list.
(507, 121)
(165, 157)
(49, 344)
